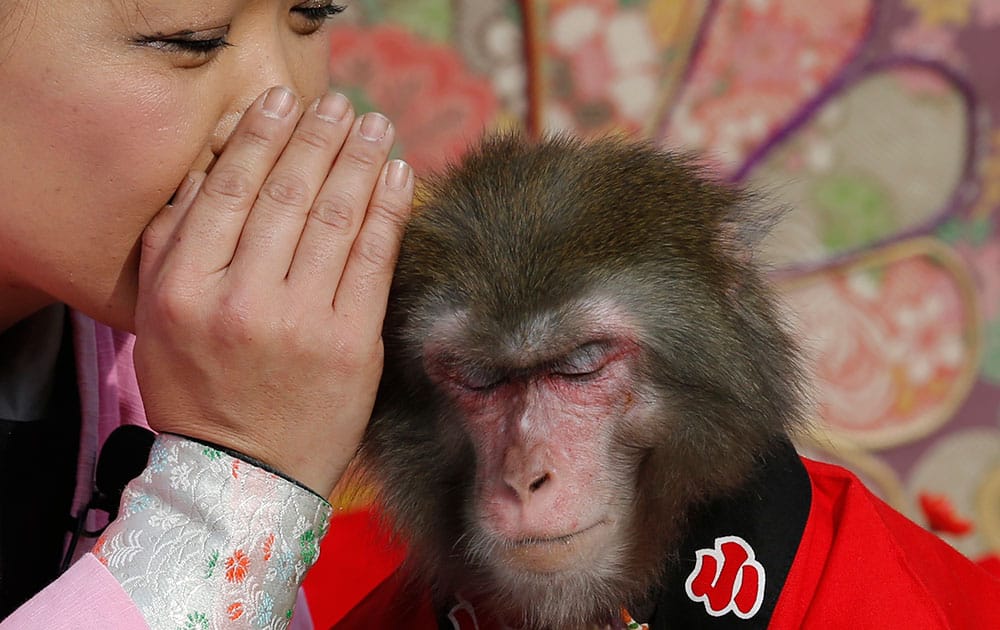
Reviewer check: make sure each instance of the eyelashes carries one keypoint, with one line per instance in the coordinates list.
(188, 42)
(310, 17)
(584, 363)
(321, 13)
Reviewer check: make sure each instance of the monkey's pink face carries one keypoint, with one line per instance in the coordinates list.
(553, 478)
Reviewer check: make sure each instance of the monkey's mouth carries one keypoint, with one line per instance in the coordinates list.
(554, 554)
(554, 539)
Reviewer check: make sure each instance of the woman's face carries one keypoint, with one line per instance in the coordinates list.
(105, 105)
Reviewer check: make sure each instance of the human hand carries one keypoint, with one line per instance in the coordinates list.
(262, 289)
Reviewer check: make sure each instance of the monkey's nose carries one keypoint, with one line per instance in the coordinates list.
(537, 483)
(525, 484)
(526, 489)
(528, 473)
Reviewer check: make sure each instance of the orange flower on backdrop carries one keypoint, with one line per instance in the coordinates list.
(435, 102)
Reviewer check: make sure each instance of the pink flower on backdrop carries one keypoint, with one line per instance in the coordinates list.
(605, 61)
(917, 285)
(729, 127)
(855, 386)
(888, 343)
(606, 7)
(761, 61)
(769, 53)
(921, 312)
(591, 71)
(436, 103)
(833, 20)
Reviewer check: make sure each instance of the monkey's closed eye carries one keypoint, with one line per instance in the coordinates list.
(480, 379)
(583, 362)
(576, 375)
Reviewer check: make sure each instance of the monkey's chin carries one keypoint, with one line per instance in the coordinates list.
(557, 554)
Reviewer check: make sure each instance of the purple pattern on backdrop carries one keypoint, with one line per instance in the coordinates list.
(978, 83)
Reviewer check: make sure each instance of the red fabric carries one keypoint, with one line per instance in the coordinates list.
(860, 564)
(990, 562)
(355, 560)
(391, 606)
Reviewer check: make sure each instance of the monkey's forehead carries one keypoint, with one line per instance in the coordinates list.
(522, 339)
(540, 217)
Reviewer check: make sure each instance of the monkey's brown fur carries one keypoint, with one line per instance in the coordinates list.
(519, 228)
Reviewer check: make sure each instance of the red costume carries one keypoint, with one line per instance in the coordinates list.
(803, 545)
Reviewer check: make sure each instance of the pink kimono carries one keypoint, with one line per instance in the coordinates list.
(89, 595)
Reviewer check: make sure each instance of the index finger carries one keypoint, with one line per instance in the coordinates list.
(210, 231)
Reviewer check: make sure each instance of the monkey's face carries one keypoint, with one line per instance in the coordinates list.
(552, 413)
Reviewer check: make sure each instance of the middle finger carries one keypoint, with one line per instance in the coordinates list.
(275, 223)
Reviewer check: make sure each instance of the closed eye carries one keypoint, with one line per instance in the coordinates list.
(314, 14)
(472, 378)
(481, 381)
(586, 360)
(577, 376)
(196, 44)
(319, 12)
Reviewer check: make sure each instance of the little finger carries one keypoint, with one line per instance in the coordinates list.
(364, 287)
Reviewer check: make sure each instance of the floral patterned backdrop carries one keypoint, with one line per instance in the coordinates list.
(877, 123)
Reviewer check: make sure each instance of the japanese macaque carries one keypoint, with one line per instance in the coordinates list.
(580, 350)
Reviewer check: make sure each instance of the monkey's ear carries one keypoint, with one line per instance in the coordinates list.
(747, 223)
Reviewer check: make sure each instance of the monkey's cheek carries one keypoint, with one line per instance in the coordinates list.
(558, 555)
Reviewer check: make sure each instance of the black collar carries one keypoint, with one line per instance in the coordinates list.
(762, 523)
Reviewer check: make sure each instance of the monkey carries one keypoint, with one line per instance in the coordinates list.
(586, 362)
(574, 329)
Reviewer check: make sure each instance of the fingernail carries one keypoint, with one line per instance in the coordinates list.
(332, 107)
(397, 175)
(184, 192)
(279, 102)
(374, 126)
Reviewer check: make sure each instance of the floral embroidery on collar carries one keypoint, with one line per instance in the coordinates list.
(632, 624)
(463, 617)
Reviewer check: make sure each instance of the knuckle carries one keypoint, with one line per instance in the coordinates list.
(259, 135)
(351, 354)
(361, 160)
(335, 212)
(313, 138)
(231, 181)
(286, 189)
(376, 252)
(290, 333)
(173, 304)
(234, 318)
(389, 213)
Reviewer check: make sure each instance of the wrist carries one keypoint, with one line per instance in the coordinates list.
(252, 461)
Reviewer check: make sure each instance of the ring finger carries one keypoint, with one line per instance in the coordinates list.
(275, 224)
